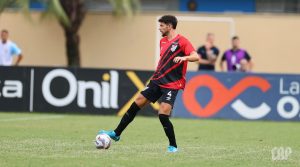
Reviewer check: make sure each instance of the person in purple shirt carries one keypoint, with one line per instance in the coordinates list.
(236, 59)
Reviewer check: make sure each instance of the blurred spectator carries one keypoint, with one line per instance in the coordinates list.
(236, 59)
(208, 53)
(8, 49)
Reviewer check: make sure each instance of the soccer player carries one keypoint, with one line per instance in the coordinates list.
(8, 49)
(167, 80)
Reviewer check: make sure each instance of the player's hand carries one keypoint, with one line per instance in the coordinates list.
(179, 59)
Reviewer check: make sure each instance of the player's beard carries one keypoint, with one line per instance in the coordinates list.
(164, 34)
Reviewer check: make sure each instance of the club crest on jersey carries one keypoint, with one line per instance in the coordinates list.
(174, 47)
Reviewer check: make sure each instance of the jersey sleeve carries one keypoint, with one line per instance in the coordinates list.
(15, 50)
(216, 51)
(187, 47)
(247, 56)
(199, 52)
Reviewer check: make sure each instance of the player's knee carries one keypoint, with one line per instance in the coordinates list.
(141, 101)
(165, 109)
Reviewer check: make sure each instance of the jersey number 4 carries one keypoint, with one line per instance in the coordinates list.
(169, 95)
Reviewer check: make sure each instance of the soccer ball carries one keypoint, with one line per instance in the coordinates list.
(103, 141)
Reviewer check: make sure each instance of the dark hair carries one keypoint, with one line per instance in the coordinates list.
(169, 19)
(235, 38)
(6, 31)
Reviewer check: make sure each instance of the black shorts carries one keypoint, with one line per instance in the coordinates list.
(154, 92)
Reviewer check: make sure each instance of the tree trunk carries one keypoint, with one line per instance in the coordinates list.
(75, 10)
(72, 48)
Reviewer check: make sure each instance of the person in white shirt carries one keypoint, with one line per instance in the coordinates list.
(8, 49)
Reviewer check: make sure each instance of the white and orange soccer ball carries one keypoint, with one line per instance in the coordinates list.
(103, 141)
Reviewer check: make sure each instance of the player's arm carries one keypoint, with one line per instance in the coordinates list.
(203, 61)
(250, 62)
(250, 65)
(223, 65)
(191, 58)
(15, 50)
(213, 55)
(223, 62)
(19, 58)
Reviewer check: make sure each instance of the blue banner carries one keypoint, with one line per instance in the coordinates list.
(218, 5)
(241, 96)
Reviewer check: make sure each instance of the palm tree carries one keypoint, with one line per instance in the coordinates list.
(24, 4)
(70, 14)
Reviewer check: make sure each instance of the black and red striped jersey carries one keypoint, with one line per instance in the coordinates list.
(169, 74)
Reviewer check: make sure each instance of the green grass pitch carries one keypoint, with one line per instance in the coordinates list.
(35, 139)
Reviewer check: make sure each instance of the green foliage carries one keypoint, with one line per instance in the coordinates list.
(20, 4)
(54, 7)
(125, 7)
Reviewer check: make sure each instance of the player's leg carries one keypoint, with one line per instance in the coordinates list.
(150, 94)
(165, 109)
(128, 117)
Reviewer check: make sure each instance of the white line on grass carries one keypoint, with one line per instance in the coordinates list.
(31, 118)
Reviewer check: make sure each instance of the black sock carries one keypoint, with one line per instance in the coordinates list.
(169, 130)
(127, 118)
